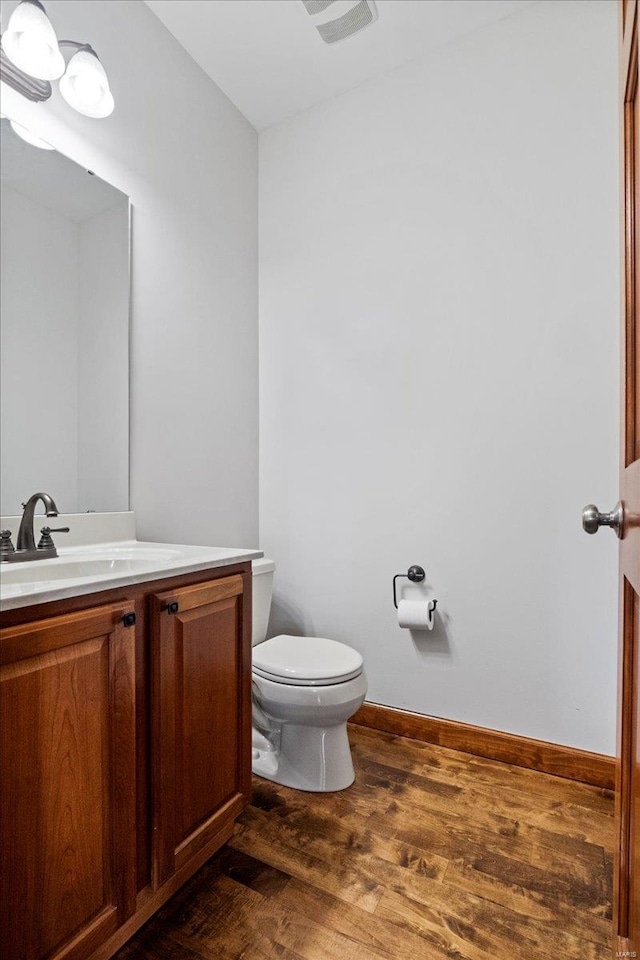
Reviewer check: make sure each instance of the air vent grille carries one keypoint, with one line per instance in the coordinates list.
(317, 6)
(338, 19)
(358, 17)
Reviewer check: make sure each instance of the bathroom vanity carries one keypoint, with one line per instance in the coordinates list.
(125, 668)
(125, 729)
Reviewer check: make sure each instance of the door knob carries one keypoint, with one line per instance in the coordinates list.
(592, 519)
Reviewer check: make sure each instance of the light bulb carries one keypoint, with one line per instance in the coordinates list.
(30, 42)
(30, 136)
(85, 86)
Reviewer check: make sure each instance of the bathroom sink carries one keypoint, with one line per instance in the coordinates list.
(107, 561)
(86, 569)
(61, 569)
(90, 562)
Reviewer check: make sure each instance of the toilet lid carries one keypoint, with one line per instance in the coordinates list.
(306, 660)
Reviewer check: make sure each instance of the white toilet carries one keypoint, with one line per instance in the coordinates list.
(304, 691)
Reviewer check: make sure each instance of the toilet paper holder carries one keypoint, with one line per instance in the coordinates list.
(416, 574)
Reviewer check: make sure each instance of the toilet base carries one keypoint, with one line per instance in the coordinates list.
(316, 759)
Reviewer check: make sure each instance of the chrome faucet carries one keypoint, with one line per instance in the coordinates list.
(26, 543)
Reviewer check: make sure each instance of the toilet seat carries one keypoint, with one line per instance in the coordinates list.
(306, 661)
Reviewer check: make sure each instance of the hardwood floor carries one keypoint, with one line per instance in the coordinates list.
(431, 854)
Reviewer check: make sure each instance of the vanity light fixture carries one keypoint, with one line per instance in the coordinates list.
(30, 43)
(84, 85)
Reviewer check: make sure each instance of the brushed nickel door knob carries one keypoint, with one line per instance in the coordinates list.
(592, 519)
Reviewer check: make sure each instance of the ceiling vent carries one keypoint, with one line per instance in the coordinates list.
(338, 19)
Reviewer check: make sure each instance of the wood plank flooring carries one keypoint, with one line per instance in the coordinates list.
(431, 854)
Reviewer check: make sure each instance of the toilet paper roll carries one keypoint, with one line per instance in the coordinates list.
(416, 614)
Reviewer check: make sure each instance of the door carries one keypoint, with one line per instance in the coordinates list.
(201, 669)
(627, 878)
(67, 768)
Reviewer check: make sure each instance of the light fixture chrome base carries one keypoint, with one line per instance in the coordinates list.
(29, 87)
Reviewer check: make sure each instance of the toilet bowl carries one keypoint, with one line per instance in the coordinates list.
(304, 691)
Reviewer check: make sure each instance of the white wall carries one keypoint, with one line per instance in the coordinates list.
(39, 346)
(188, 160)
(103, 342)
(439, 351)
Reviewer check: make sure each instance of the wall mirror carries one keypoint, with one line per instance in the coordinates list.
(64, 331)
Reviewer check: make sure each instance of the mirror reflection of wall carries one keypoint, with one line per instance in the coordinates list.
(64, 329)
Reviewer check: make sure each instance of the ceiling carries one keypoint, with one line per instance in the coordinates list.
(267, 56)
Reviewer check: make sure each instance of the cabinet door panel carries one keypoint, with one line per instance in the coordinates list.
(66, 763)
(207, 696)
(201, 662)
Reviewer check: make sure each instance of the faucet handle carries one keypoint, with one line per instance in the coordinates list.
(6, 546)
(46, 543)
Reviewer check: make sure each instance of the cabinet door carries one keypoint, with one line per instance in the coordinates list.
(201, 668)
(67, 768)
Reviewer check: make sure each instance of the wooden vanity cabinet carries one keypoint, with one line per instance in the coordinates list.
(67, 770)
(201, 734)
(125, 756)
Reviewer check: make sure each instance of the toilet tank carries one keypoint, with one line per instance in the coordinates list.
(263, 571)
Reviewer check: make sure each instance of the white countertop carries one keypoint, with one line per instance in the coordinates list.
(91, 568)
